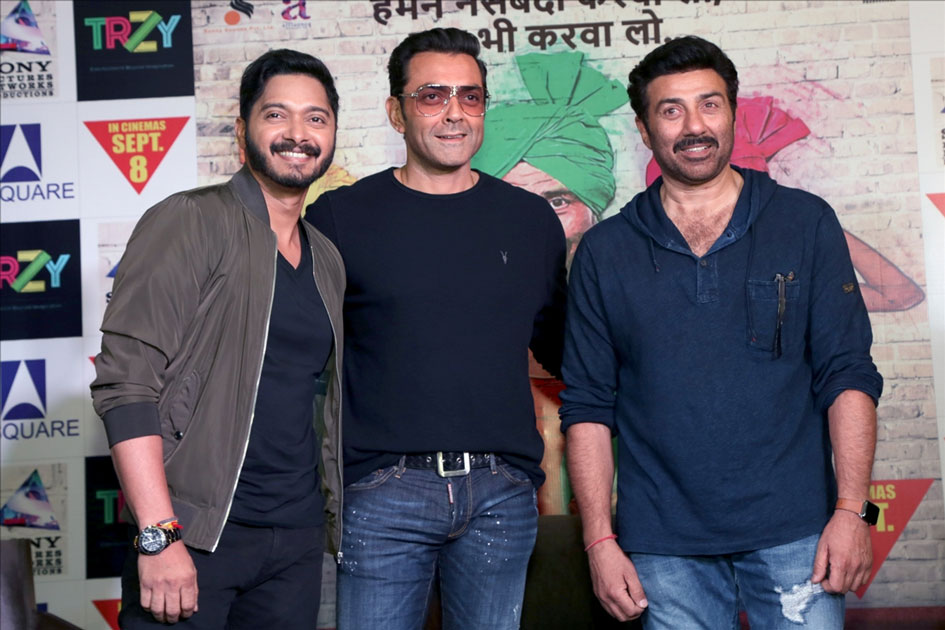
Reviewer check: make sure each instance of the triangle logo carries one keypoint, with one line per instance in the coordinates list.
(897, 500)
(137, 146)
(29, 506)
(939, 200)
(109, 609)
(19, 31)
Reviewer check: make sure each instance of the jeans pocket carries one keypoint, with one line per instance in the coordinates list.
(373, 480)
(513, 474)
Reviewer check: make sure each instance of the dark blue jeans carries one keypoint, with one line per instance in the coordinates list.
(259, 577)
(400, 524)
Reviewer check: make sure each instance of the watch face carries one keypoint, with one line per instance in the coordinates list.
(870, 513)
(151, 540)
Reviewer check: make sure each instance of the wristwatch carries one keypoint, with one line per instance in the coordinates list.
(154, 539)
(866, 509)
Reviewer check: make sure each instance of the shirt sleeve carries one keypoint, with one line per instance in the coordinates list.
(319, 214)
(589, 366)
(548, 330)
(839, 325)
(154, 299)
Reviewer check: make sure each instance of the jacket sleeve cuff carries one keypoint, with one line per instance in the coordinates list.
(131, 421)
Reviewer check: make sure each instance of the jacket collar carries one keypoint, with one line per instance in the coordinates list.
(247, 189)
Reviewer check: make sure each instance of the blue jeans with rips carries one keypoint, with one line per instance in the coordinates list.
(704, 592)
(401, 524)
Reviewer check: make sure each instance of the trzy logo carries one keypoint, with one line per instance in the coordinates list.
(21, 162)
(19, 32)
(37, 260)
(23, 407)
(110, 32)
(137, 147)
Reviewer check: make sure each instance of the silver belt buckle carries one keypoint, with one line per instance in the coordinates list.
(452, 473)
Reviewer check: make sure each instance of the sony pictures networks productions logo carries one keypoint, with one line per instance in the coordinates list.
(27, 66)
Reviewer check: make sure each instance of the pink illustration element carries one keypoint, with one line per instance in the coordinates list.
(939, 200)
(761, 130)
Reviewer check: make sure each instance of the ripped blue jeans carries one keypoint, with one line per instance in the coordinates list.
(401, 524)
(704, 592)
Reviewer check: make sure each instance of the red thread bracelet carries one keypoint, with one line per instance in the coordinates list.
(600, 540)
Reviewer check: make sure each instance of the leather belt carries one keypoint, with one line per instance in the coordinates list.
(449, 463)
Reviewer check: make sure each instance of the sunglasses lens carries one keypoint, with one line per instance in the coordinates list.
(433, 99)
(472, 100)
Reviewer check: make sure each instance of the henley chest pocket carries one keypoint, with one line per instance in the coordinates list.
(773, 313)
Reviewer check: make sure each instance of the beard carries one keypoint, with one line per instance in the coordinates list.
(295, 178)
(694, 174)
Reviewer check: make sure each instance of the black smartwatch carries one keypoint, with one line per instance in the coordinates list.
(154, 539)
(865, 509)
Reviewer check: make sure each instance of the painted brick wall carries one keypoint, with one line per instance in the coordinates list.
(844, 68)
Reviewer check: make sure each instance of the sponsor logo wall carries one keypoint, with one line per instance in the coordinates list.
(100, 119)
(97, 124)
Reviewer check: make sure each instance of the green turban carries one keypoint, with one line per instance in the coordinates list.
(558, 130)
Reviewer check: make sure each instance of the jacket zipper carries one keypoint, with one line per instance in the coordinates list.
(252, 414)
(339, 459)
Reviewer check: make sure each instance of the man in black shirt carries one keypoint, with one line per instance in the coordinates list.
(452, 276)
(225, 314)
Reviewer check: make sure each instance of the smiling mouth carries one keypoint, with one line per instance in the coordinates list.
(295, 152)
(694, 146)
(293, 155)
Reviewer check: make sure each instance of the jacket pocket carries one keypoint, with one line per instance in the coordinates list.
(180, 411)
(773, 313)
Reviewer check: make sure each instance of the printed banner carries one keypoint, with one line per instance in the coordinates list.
(133, 49)
(897, 500)
(137, 146)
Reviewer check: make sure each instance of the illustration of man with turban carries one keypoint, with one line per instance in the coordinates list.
(553, 144)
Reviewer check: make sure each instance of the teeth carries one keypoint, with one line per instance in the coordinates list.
(293, 154)
(694, 149)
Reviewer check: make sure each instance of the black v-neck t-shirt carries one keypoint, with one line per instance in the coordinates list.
(279, 483)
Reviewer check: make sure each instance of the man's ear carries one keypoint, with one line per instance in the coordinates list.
(395, 114)
(644, 134)
(241, 138)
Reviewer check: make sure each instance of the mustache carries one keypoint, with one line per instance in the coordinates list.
(310, 150)
(685, 143)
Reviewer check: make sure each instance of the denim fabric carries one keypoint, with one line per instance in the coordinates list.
(704, 592)
(400, 524)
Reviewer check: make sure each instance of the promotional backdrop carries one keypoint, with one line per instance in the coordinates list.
(108, 107)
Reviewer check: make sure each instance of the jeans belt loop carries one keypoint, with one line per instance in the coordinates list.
(452, 473)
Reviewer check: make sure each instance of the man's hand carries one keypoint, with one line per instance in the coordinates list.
(844, 554)
(615, 581)
(168, 584)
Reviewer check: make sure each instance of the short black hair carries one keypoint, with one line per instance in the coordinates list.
(283, 61)
(682, 54)
(442, 40)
